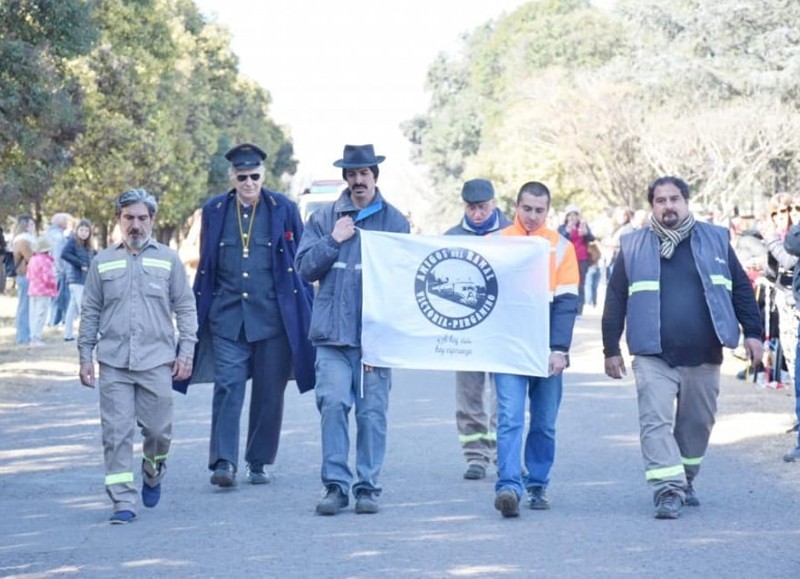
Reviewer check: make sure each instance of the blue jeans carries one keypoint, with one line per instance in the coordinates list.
(338, 388)
(591, 284)
(797, 384)
(59, 304)
(540, 445)
(23, 321)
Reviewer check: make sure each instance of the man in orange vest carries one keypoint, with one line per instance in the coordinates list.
(533, 204)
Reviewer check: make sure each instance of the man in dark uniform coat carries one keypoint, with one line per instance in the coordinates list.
(253, 313)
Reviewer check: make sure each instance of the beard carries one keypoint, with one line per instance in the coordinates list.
(670, 219)
(136, 240)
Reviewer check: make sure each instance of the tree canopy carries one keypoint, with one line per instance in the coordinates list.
(99, 96)
(598, 103)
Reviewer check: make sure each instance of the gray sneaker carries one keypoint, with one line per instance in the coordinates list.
(333, 501)
(668, 506)
(366, 503)
(691, 499)
(475, 471)
(792, 455)
(537, 499)
(507, 502)
(256, 475)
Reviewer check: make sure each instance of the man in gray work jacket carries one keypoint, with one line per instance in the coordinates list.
(132, 291)
(682, 293)
(330, 253)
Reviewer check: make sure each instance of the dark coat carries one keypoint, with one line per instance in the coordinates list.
(78, 258)
(295, 296)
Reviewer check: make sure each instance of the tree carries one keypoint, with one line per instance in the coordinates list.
(598, 104)
(41, 111)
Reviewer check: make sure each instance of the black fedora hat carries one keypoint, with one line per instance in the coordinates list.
(356, 156)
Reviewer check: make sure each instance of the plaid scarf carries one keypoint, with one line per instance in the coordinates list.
(670, 238)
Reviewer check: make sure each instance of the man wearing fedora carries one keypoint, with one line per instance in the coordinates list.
(253, 315)
(476, 405)
(330, 253)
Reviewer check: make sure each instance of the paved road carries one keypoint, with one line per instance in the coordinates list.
(53, 510)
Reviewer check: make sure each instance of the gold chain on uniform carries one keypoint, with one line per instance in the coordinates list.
(245, 237)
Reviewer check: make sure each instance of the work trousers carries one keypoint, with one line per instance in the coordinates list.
(269, 363)
(476, 416)
(129, 397)
(677, 408)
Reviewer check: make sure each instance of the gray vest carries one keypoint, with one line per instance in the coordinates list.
(640, 250)
(244, 290)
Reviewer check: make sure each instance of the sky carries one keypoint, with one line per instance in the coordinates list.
(348, 71)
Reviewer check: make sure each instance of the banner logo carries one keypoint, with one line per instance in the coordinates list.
(455, 288)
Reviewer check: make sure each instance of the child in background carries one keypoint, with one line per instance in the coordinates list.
(42, 285)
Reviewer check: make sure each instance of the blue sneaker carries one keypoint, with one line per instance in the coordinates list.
(122, 517)
(150, 495)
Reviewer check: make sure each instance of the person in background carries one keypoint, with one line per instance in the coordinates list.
(792, 245)
(578, 232)
(594, 272)
(680, 293)
(22, 244)
(77, 256)
(330, 253)
(542, 392)
(133, 290)
(42, 287)
(56, 233)
(4, 260)
(621, 223)
(476, 405)
(189, 250)
(639, 219)
(779, 271)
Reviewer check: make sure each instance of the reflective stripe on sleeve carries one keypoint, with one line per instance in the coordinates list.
(643, 286)
(566, 289)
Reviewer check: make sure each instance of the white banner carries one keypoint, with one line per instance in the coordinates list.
(456, 302)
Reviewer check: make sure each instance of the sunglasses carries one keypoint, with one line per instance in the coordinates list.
(252, 176)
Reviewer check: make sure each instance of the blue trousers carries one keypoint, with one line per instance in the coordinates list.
(338, 388)
(544, 395)
(60, 303)
(23, 317)
(797, 384)
(269, 363)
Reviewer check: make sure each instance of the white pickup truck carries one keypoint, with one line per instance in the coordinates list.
(318, 194)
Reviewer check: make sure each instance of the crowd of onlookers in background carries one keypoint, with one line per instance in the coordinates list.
(46, 272)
